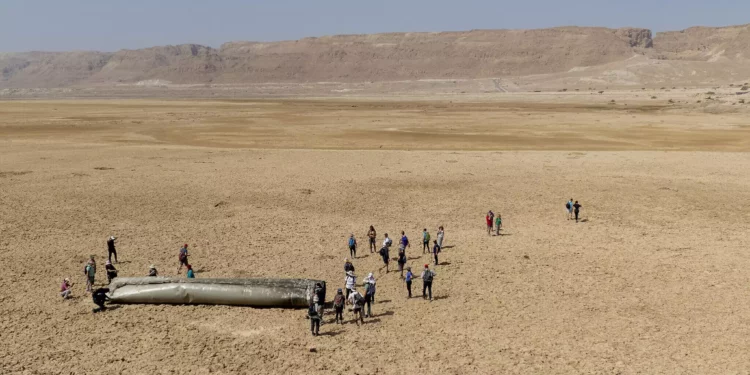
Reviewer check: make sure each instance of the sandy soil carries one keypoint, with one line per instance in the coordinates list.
(652, 281)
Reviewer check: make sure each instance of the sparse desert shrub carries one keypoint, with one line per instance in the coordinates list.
(742, 101)
(671, 101)
(745, 88)
(663, 88)
(710, 93)
(653, 97)
(601, 92)
(698, 101)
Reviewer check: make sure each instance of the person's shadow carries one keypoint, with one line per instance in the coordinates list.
(447, 247)
(332, 333)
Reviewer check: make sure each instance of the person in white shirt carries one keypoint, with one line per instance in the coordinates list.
(350, 281)
(357, 302)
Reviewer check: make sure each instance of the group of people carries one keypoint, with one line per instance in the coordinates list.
(99, 295)
(361, 302)
(494, 223)
(573, 208)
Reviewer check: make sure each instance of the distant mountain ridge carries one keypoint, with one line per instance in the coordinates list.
(375, 57)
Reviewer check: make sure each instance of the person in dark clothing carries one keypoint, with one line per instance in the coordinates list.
(401, 261)
(348, 266)
(386, 257)
(338, 303)
(369, 294)
(409, 277)
(152, 272)
(320, 298)
(435, 251)
(577, 209)
(352, 246)
(183, 257)
(100, 296)
(111, 271)
(111, 248)
(314, 316)
(427, 276)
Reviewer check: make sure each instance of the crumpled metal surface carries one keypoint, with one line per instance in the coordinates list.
(259, 292)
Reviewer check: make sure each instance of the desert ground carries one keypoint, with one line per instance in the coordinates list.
(653, 280)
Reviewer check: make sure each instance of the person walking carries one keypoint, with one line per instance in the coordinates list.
(111, 271)
(357, 302)
(314, 316)
(440, 236)
(338, 304)
(90, 272)
(490, 218)
(352, 246)
(350, 282)
(498, 224)
(385, 255)
(401, 262)
(66, 288)
(370, 279)
(111, 248)
(369, 296)
(183, 257)
(425, 241)
(372, 235)
(569, 208)
(190, 273)
(427, 276)
(404, 243)
(408, 279)
(577, 208)
(435, 252)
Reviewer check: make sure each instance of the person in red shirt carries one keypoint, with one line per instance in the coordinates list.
(490, 218)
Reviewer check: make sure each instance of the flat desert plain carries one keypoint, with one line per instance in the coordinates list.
(653, 280)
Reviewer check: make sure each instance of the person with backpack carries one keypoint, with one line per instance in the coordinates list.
(338, 303)
(404, 243)
(352, 246)
(348, 266)
(370, 279)
(111, 271)
(408, 279)
(350, 282)
(427, 276)
(111, 248)
(319, 297)
(314, 316)
(385, 254)
(66, 288)
(369, 297)
(387, 242)
(372, 235)
(183, 257)
(440, 236)
(401, 262)
(99, 296)
(498, 223)
(577, 209)
(490, 219)
(90, 271)
(435, 252)
(569, 208)
(190, 273)
(357, 302)
(425, 241)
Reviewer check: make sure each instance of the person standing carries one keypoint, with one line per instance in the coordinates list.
(385, 254)
(440, 236)
(350, 282)
(401, 262)
(370, 279)
(111, 271)
(111, 248)
(90, 272)
(369, 296)
(569, 208)
(348, 266)
(425, 241)
(427, 276)
(319, 298)
(490, 218)
(312, 313)
(352, 246)
(408, 279)
(577, 209)
(183, 257)
(435, 252)
(65, 289)
(372, 235)
(404, 243)
(498, 223)
(152, 272)
(338, 304)
(190, 273)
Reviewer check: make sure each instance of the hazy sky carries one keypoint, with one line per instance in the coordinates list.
(109, 25)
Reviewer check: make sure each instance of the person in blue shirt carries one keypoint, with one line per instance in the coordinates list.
(404, 241)
(352, 246)
(409, 277)
(190, 273)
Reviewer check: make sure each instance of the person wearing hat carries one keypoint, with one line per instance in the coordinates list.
(190, 273)
(408, 278)
(357, 302)
(350, 281)
(111, 271)
(352, 246)
(111, 248)
(90, 272)
(152, 271)
(183, 257)
(427, 276)
(65, 288)
(369, 294)
(338, 304)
